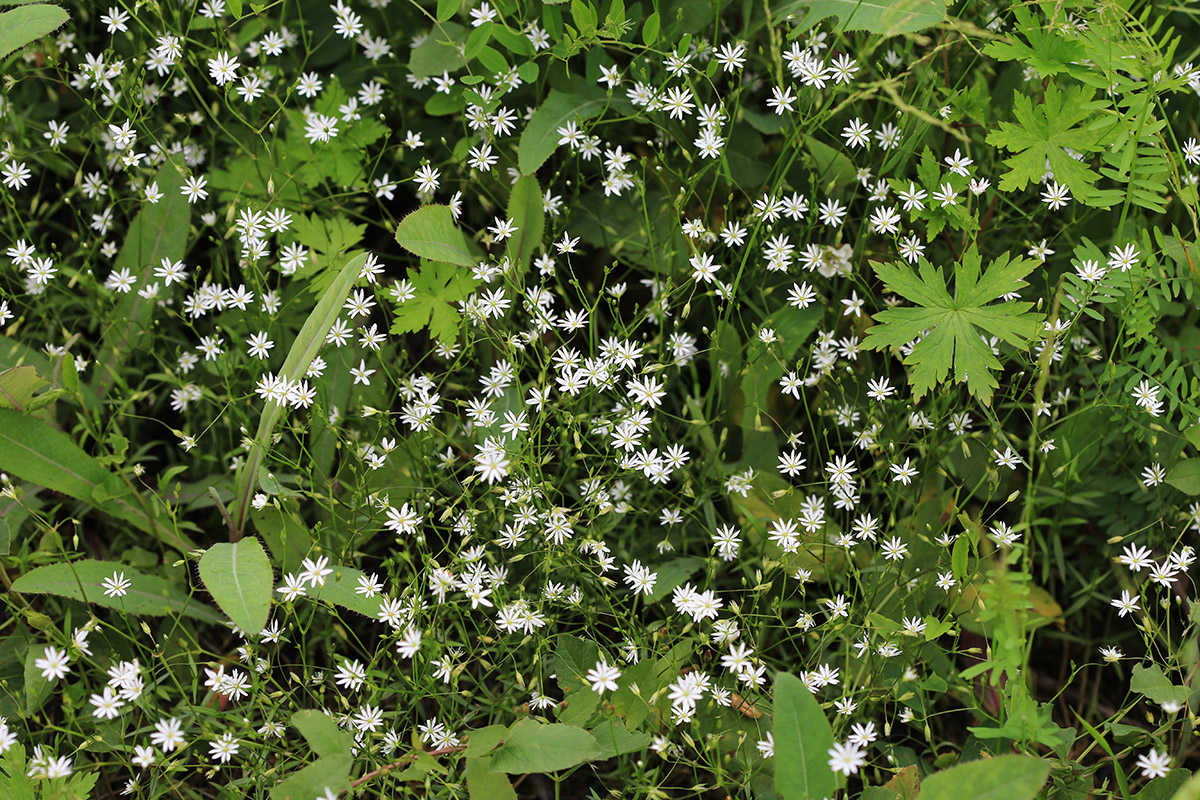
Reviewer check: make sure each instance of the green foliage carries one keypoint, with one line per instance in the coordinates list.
(950, 329)
(21, 26)
(430, 232)
(1008, 777)
(884, 18)
(436, 288)
(238, 576)
(148, 595)
(802, 737)
(536, 747)
(1043, 133)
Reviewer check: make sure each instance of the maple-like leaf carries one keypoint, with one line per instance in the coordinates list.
(951, 329)
(1047, 51)
(438, 287)
(1044, 132)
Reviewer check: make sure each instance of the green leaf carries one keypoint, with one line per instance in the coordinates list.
(1166, 787)
(447, 9)
(484, 740)
(160, 230)
(673, 573)
(526, 210)
(27, 24)
(1151, 682)
(430, 232)
(956, 325)
(339, 589)
(1047, 51)
(532, 746)
(307, 783)
(483, 784)
(615, 739)
(308, 343)
(650, 29)
(17, 386)
(439, 52)
(802, 737)
(540, 138)
(35, 452)
(884, 17)
(1185, 476)
(438, 287)
(239, 578)
(322, 733)
(1043, 133)
(148, 596)
(235, 8)
(1001, 778)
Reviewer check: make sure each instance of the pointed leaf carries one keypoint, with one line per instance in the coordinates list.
(525, 209)
(802, 737)
(239, 578)
(536, 747)
(27, 24)
(430, 232)
(148, 595)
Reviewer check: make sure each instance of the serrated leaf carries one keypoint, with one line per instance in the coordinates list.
(1043, 133)
(148, 595)
(1045, 49)
(1001, 778)
(430, 232)
(539, 748)
(955, 324)
(802, 737)
(526, 210)
(438, 289)
(239, 578)
(27, 24)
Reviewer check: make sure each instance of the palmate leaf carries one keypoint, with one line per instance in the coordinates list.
(438, 288)
(1043, 133)
(950, 328)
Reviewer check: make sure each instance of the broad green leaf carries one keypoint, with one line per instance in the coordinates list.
(1167, 787)
(235, 8)
(1006, 777)
(615, 739)
(532, 746)
(18, 385)
(35, 452)
(438, 288)
(526, 210)
(673, 573)
(311, 782)
(239, 578)
(447, 9)
(148, 596)
(802, 739)
(1151, 682)
(1185, 476)
(484, 740)
(37, 687)
(883, 17)
(951, 329)
(308, 343)
(483, 784)
(322, 733)
(573, 657)
(540, 138)
(27, 24)
(430, 232)
(440, 51)
(340, 589)
(160, 230)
